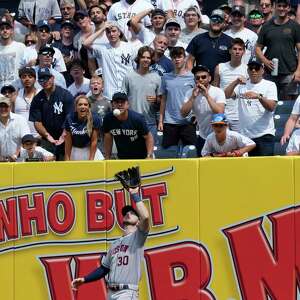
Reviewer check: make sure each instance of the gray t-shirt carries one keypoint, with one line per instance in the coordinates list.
(138, 87)
(174, 87)
(124, 258)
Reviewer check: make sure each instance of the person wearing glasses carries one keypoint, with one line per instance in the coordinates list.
(30, 39)
(203, 100)
(212, 47)
(255, 20)
(223, 142)
(257, 99)
(266, 7)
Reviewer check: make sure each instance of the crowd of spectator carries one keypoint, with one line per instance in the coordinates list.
(102, 79)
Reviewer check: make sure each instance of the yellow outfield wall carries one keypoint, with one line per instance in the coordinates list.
(223, 229)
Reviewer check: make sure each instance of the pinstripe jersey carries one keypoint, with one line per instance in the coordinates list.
(124, 258)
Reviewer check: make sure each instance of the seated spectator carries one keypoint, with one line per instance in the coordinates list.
(293, 147)
(82, 130)
(12, 128)
(81, 85)
(31, 152)
(30, 39)
(129, 131)
(223, 142)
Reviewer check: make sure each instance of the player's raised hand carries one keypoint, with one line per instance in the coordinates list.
(76, 283)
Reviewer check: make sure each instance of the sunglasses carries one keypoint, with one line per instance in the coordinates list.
(47, 54)
(42, 80)
(29, 42)
(216, 20)
(265, 5)
(218, 125)
(198, 77)
(256, 68)
(78, 18)
(255, 17)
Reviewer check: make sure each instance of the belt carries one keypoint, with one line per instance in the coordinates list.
(118, 287)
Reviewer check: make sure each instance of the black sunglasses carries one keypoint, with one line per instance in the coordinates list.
(29, 42)
(200, 77)
(78, 18)
(255, 67)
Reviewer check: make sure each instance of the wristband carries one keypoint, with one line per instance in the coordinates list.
(136, 197)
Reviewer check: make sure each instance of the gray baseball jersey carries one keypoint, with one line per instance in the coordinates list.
(124, 258)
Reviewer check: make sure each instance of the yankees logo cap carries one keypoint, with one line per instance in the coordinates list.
(128, 208)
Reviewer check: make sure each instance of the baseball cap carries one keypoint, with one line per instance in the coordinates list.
(4, 99)
(67, 23)
(238, 9)
(255, 14)
(200, 68)
(80, 12)
(46, 49)
(43, 23)
(5, 20)
(28, 138)
(128, 208)
(119, 96)
(172, 22)
(219, 119)
(225, 7)
(157, 12)
(27, 70)
(44, 74)
(255, 61)
(219, 13)
(8, 88)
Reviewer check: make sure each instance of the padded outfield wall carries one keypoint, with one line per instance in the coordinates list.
(220, 228)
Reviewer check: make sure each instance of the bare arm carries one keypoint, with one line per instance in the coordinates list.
(216, 81)
(135, 21)
(88, 42)
(297, 72)
(190, 62)
(162, 109)
(149, 144)
(229, 90)
(68, 145)
(259, 53)
(247, 149)
(93, 146)
(187, 106)
(289, 126)
(108, 142)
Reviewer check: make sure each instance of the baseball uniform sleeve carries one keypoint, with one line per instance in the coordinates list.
(35, 114)
(296, 107)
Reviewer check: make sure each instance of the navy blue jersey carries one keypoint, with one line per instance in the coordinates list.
(78, 129)
(210, 51)
(164, 65)
(128, 135)
(52, 113)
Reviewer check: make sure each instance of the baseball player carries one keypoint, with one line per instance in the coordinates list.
(122, 264)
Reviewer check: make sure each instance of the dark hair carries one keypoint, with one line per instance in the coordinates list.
(98, 6)
(177, 51)
(238, 41)
(76, 62)
(141, 51)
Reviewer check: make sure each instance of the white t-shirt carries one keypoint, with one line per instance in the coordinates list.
(234, 141)
(58, 64)
(178, 44)
(202, 110)
(294, 143)
(122, 12)
(249, 37)
(296, 107)
(10, 62)
(116, 62)
(83, 88)
(227, 75)
(256, 121)
(39, 152)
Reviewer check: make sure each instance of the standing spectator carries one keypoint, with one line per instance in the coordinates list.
(32, 11)
(257, 100)
(129, 131)
(226, 8)
(238, 30)
(25, 95)
(266, 7)
(48, 111)
(30, 39)
(162, 64)
(203, 100)
(82, 131)
(143, 88)
(293, 147)
(172, 32)
(115, 57)
(227, 72)
(223, 142)
(97, 16)
(212, 47)
(11, 53)
(281, 36)
(174, 86)
(12, 128)
(291, 122)
(81, 85)
(122, 11)
(44, 38)
(192, 22)
(10, 92)
(255, 20)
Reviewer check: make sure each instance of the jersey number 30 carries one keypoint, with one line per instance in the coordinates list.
(122, 260)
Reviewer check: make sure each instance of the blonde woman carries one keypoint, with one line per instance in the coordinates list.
(82, 131)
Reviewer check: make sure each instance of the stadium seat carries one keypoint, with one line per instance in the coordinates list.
(170, 152)
(159, 137)
(278, 149)
(284, 107)
(189, 151)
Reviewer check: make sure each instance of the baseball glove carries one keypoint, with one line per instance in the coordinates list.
(129, 178)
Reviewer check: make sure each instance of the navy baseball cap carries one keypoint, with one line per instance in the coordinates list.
(219, 119)
(128, 208)
(255, 61)
(44, 74)
(43, 23)
(47, 49)
(200, 68)
(28, 138)
(67, 23)
(157, 12)
(119, 97)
